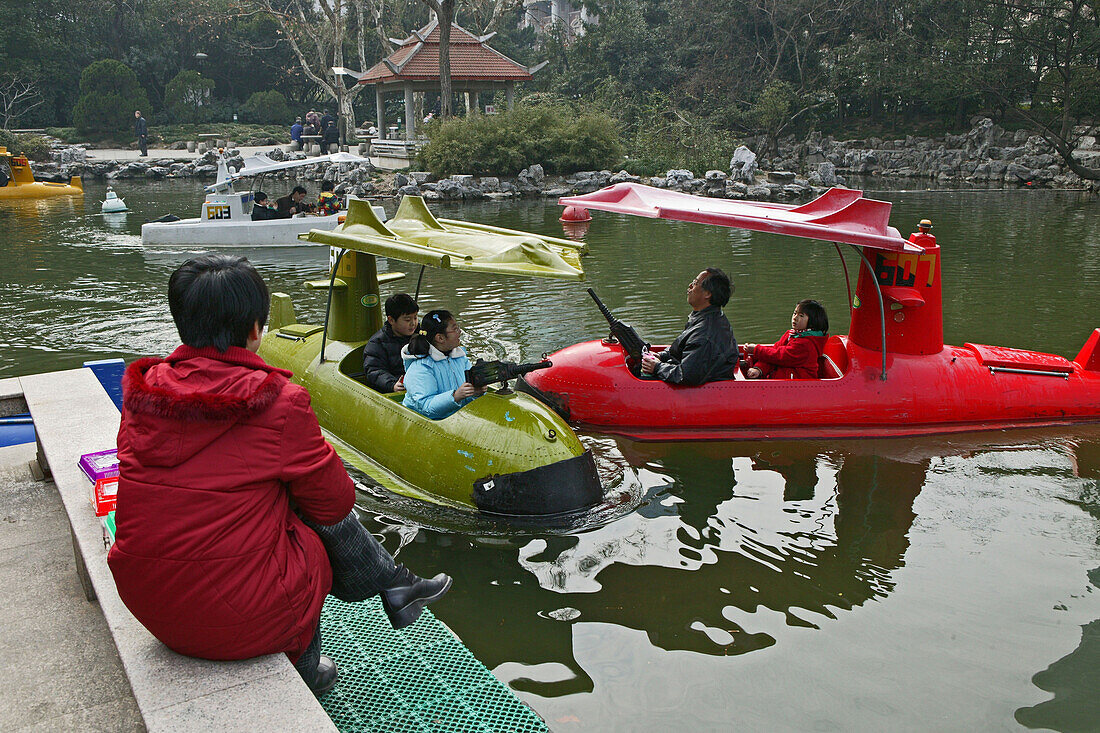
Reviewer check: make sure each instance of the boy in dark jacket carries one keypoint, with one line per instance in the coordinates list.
(234, 514)
(385, 370)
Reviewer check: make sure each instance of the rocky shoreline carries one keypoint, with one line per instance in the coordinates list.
(986, 156)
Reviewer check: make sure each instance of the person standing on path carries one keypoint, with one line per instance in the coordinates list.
(142, 130)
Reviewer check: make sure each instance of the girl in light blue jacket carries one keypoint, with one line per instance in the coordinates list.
(435, 368)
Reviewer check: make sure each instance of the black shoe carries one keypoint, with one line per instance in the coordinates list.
(325, 678)
(407, 596)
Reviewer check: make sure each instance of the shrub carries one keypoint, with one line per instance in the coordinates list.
(35, 147)
(188, 97)
(267, 108)
(665, 136)
(109, 94)
(506, 143)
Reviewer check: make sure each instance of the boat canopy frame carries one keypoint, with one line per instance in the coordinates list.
(259, 165)
(415, 236)
(840, 216)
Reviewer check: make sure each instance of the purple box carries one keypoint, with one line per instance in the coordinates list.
(103, 464)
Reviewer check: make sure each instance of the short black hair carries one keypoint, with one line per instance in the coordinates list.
(299, 189)
(259, 197)
(817, 319)
(431, 325)
(400, 304)
(216, 299)
(327, 186)
(718, 285)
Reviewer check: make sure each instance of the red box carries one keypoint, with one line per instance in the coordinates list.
(103, 496)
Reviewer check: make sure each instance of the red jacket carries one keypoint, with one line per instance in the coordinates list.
(213, 448)
(790, 357)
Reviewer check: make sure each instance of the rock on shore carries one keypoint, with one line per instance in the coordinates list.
(987, 155)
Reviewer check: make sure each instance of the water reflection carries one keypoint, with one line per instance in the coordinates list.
(713, 551)
(1074, 680)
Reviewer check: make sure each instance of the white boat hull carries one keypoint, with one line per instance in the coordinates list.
(245, 233)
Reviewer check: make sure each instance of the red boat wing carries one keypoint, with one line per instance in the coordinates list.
(1000, 356)
(838, 215)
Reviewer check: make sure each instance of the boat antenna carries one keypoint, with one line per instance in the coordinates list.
(328, 305)
(882, 306)
(418, 279)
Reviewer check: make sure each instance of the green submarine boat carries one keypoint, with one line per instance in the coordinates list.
(504, 453)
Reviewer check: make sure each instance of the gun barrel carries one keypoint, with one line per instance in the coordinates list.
(603, 308)
(521, 369)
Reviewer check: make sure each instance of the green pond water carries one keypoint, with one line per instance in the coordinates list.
(948, 583)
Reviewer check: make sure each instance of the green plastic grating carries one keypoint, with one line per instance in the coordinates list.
(419, 679)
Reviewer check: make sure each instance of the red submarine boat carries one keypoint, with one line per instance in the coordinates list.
(892, 375)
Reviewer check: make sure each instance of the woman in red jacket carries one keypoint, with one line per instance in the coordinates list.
(795, 355)
(233, 510)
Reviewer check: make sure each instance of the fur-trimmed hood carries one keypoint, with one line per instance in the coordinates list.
(178, 405)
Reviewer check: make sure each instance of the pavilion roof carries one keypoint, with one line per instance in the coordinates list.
(472, 59)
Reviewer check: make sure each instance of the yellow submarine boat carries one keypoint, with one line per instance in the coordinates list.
(17, 181)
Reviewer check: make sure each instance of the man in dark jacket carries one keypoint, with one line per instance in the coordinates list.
(706, 349)
(234, 514)
(382, 362)
(141, 129)
(292, 203)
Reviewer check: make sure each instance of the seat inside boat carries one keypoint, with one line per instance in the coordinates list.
(352, 366)
(833, 362)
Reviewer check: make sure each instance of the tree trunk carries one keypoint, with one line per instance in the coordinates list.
(446, 16)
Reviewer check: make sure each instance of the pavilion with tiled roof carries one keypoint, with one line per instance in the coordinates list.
(414, 67)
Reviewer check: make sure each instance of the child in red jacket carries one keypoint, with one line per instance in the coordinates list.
(795, 355)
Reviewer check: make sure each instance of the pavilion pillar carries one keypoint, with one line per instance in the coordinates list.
(510, 94)
(380, 112)
(477, 101)
(410, 114)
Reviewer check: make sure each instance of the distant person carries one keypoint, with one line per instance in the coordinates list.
(262, 209)
(330, 137)
(141, 129)
(296, 132)
(795, 355)
(429, 117)
(382, 363)
(313, 119)
(328, 202)
(326, 118)
(706, 349)
(291, 204)
(372, 131)
(435, 368)
(235, 515)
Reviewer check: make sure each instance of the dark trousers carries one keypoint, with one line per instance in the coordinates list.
(361, 567)
(143, 144)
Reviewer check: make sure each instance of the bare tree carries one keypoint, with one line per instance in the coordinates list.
(317, 31)
(18, 95)
(445, 13)
(485, 14)
(1050, 51)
